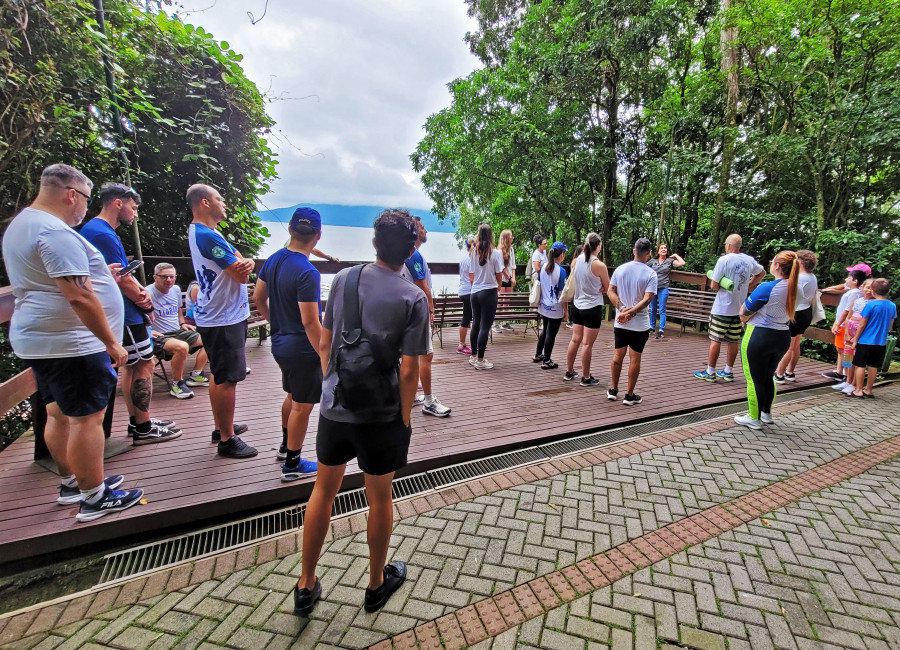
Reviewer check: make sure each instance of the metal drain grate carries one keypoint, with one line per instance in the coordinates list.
(485, 466)
(349, 502)
(407, 486)
(151, 557)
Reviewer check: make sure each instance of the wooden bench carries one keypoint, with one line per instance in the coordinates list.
(689, 305)
(448, 311)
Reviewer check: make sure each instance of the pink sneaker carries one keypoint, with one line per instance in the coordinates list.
(464, 349)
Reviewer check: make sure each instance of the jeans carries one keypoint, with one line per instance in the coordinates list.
(659, 302)
(484, 306)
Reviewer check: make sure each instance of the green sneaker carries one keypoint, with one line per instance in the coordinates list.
(197, 380)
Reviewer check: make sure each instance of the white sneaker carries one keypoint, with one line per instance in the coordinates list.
(497, 329)
(483, 364)
(841, 386)
(472, 360)
(746, 421)
(420, 399)
(436, 408)
(849, 389)
(766, 418)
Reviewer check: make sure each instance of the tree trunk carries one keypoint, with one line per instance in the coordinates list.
(730, 63)
(611, 184)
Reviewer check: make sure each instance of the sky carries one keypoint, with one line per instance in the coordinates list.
(351, 85)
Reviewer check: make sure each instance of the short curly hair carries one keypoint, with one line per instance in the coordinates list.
(808, 259)
(396, 232)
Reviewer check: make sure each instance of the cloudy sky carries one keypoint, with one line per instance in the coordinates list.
(351, 84)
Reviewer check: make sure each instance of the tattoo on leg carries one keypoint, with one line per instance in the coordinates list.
(141, 390)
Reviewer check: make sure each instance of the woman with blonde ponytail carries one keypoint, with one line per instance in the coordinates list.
(767, 313)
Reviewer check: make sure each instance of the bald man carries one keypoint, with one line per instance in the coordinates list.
(221, 313)
(725, 323)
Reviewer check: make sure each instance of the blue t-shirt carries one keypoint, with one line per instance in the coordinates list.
(768, 302)
(221, 300)
(878, 315)
(290, 279)
(416, 266)
(105, 240)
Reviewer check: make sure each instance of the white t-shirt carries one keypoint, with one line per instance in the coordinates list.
(465, 267)
(632, 280)
(38, 247)
(847, 300)
(807, 285)
(510, 268)
(550, 305)
(537, 256)
(165, 308)
(486, 276)
(740, 269)
(588, 287)
(221, 301)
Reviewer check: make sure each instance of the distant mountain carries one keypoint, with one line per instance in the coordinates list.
(353, 216)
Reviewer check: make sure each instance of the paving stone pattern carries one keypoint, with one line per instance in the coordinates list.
(462, 553)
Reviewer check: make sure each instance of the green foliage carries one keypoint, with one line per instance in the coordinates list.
(194, 115)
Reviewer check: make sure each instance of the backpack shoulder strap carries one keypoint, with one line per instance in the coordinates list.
(352, 317)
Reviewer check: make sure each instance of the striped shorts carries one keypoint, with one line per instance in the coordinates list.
(137, 343)
(725, 329)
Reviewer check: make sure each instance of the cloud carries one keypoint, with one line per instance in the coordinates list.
(352, 84)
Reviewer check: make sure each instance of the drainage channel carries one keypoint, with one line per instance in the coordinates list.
(136, 561)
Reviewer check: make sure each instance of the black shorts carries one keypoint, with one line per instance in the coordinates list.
(869, 356)
(379, 447)
(630, 338)
(80, 386)
(506, 283)
(225, 348)
(592, 317)
(801, 321)
(137, 343)
(301, 377)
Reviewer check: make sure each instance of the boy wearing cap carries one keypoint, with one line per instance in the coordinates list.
(287, 295)
(631, 288)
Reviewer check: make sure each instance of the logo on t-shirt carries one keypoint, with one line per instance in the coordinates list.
(218, 252)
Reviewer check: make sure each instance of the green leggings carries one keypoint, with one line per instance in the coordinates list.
(761, 350)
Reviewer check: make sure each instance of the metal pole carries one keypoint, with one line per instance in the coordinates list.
(118, 134)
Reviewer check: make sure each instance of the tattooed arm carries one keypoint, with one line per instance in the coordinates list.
(78, 291)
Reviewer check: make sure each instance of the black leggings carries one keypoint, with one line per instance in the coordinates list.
(484, 306)
(547, 337)
(467, 310)
(762, 348)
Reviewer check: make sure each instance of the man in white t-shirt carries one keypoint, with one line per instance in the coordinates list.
(631, 288)
(67, 325)
(172, 336)
(741, 273)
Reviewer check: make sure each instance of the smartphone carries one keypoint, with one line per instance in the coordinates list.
(131, 267)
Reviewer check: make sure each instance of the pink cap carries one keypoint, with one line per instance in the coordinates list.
(865, 268)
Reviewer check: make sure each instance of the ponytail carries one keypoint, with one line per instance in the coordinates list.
(551, 258)
(789, 265)
(590, 245)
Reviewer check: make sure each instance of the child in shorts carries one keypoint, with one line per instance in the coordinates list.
(851, 329)
(870, 341)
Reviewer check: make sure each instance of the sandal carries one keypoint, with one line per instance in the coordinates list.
(549, 365)
(537, 358)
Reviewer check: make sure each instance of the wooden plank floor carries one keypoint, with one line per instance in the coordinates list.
(516, 404)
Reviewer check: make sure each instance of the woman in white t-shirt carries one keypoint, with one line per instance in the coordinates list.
(539, 256)
(508, 274)
(591, 282)
(487, 266)
(552, 311)
(807, 288)
(465, 293)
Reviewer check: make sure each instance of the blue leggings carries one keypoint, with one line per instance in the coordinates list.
(659, 302)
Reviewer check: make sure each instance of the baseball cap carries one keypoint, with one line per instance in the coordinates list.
(306, 220)
(559, 246)
(865, 268)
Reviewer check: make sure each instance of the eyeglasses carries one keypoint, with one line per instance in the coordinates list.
(166, 277)
(90, 199)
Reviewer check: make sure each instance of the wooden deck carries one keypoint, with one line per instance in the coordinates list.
(514, 405)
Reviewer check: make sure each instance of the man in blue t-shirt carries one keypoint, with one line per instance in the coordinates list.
(876, 322)
(221, 313)
(119, 206)
(416, 271)
(287, 295)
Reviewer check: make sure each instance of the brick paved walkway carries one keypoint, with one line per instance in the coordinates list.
(711, 537)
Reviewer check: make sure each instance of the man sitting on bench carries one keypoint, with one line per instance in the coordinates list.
(172, 337)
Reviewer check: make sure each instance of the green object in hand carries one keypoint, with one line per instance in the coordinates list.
(725, 283)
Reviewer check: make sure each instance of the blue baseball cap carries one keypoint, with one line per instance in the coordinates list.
(306, 219)
(560, 246)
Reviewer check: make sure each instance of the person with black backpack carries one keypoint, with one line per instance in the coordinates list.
(375, 329)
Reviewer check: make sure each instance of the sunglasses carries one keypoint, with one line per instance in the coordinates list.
(90, 199)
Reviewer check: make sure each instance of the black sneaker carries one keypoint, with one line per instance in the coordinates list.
(631, 400)
(779, 379)
(789, 376)
(162, 423)
(589, 381)
(305, 599)
(660, 334)
(281, 454)
(394, 576)
(611, 394)
(238, 430)
(112, 501)
(234, 447)
(836, 376)
(157, 433)
(569, 376)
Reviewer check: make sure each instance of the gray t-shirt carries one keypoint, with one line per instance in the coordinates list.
(165, 308)
(632, 280)
(740, 269)
(807, 286)
(38, 247)
(662, 271)
(394, 315)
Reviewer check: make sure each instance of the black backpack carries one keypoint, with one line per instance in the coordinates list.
(364, 381)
